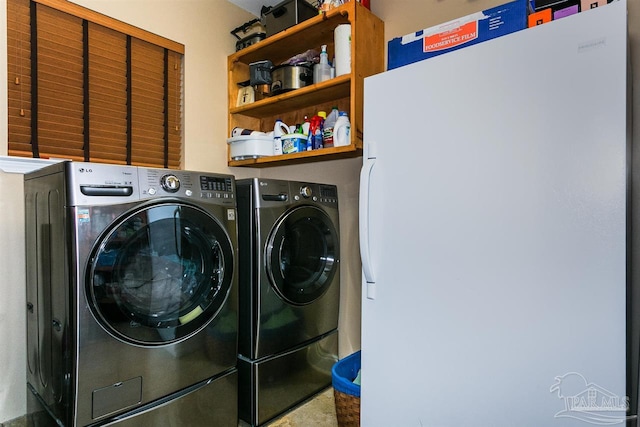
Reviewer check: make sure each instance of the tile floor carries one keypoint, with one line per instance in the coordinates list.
(320, 411)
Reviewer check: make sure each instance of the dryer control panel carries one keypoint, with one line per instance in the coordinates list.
(321, 193)
(272, 193)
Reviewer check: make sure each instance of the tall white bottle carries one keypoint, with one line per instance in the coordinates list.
(329, 124)
(278, 130)
(342, 130)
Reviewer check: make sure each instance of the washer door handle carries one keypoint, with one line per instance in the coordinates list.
(282, 197)
(106, 190)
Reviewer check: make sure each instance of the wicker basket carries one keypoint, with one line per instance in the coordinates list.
(347, 409)
(345, 392)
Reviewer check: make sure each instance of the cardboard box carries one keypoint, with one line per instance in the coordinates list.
(541, 17)
(458, 33)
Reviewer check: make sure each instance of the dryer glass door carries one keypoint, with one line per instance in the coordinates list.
(302, 254)
(160, 274)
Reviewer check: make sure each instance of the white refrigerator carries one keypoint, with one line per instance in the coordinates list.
(493, 232)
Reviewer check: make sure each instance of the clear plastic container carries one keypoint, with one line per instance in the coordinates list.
(322, 71)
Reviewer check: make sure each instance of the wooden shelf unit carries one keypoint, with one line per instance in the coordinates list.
(346, 91)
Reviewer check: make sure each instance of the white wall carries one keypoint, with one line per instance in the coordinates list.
(12, 309)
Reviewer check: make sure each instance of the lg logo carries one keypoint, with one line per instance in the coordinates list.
(83, 170)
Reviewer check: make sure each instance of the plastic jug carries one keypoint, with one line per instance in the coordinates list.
(342, 131)
(329, 123)
(279, 129)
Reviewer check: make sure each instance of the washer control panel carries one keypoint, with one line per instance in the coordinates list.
(97, 183)
(188, 184)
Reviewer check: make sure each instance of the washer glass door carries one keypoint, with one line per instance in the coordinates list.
(160, 274)
(302, 254)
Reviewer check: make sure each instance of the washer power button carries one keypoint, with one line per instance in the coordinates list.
(170, 183)
(306, 192)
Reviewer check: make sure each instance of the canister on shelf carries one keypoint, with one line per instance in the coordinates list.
(342, 43)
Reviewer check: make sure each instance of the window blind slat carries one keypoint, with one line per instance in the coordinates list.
(60, 119)
(105, 139)
(19, 77)
(56, 131)
(147, 105)
(108, 87)
(113, 118)
(22, 133)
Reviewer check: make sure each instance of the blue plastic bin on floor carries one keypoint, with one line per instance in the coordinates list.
(345, 392)
(344, 372)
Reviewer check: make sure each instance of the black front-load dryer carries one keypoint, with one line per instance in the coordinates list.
(289, 293)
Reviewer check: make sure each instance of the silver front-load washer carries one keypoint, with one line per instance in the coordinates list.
(289, 293)
(132, 295)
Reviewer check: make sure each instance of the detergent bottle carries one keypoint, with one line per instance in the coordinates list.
(329, 123)
(342, 130)
(310, 127)
(304, 128)
(314, 139)
(317, 133)
(278, 130)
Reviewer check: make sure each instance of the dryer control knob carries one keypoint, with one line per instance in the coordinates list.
(170, 183)
(306, 192)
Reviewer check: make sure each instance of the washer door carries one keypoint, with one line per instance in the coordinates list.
(160, 274)
(302, 255)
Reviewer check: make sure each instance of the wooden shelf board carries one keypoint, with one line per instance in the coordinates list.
(297, 39)
(314, 94)
(333, 153)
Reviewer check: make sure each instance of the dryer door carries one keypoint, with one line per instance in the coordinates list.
(302, 254)
(160, 274)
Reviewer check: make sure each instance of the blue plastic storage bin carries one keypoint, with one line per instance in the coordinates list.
(344, 372)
